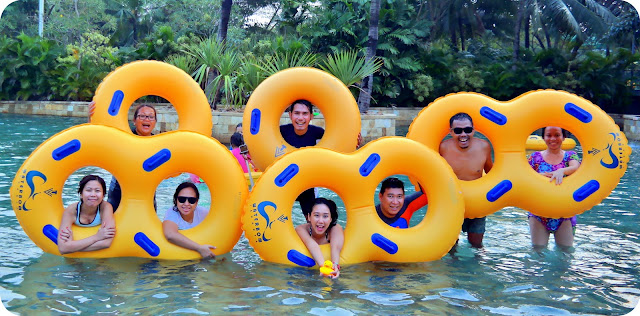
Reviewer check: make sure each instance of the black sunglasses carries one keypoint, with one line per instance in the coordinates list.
(458, 130)
(192, 200)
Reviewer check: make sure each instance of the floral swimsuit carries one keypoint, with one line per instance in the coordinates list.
(540, 166)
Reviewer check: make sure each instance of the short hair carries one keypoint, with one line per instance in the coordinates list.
(391, 183)
(135, 114)
(91, 177)
(182, 186)
(459, 117)
(565, 133)
(333, 210)
(239, 125)
(308, 104)
(236, 139)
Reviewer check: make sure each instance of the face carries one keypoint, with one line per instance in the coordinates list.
(391, 201)
(553, 137)
(319, 218)
(145, 125)
(92, 193)
(300, 118)
(186, 208)
(239, 129)
(463, 140)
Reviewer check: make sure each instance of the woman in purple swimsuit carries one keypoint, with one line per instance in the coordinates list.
(554, 163)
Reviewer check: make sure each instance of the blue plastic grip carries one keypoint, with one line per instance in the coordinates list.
(255, 121)
(384, 243)
(369, 164)
(116, 103)
(300, 259)
(287, 174)
(493, 115)
(156, 160)
(499, 190)
(146, 244)
(578, 112)
(51, 232)
(65, 150)
(587, 189)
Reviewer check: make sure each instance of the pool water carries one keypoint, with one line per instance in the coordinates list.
(601, 275)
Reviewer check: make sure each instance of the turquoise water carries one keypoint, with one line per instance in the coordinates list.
(600, 276)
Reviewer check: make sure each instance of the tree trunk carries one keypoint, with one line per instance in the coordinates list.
(461, 31)
(527, 39)
(364, 99)
(225, 13)
(516, 37)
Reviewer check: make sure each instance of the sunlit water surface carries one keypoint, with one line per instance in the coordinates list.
(600, 276)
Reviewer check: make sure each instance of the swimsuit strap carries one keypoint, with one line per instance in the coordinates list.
(78, 214)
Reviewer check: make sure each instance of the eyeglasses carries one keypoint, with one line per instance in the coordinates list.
(192, 200)
(459, 130)
(146, 117)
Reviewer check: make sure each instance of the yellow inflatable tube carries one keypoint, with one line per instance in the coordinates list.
(123, 86)
(272, 97)
(507, 125)
(354, 177)
(535, 142)
(139, 164)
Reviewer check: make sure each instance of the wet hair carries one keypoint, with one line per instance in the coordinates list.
(135, 114)
(236, 139)
(333, 210)
(565, 133)
(181, 186)
(301, 101)
(91, 177)
(391, 183)
(460, 117)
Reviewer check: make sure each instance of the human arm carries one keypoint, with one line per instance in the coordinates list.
(312, 245)
(488, 162)
(102, 239)
(559, 174)
(91, 110)
(337, 241)
(359, 141)
(173, 235)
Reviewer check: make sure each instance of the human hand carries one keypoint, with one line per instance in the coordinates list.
(92, 109)
(557, 175)
(336, 271)
(360, 141)
(106, 232)
(65, 234)
(205, 251)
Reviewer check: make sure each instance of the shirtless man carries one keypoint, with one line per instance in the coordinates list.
(468, 157)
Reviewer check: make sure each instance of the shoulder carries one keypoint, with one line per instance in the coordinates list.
(302, 229)
(316, 130)
(446, 144)
(286, 127)
(171, 215)
(482, 144)
(202, 210)
(71, 208)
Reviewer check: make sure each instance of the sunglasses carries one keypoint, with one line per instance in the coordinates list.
(146, 117)
(459, 130)
(192, 200)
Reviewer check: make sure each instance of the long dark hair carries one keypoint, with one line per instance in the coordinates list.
(333, 210)
(91, 177)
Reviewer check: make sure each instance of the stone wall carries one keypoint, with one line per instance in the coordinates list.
(224, 123)
(379, 122)
(632, 126)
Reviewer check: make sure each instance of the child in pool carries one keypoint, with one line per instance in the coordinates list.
(322, 228)
(92, 210)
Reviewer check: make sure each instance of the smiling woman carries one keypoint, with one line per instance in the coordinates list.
(186, 214)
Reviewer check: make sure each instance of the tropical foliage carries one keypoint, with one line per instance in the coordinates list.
(424, 49)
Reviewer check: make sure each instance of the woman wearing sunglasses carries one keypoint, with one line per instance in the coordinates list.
(186, 214)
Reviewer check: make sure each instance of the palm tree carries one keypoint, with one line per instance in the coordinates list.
(364, 100)
(225, 13)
